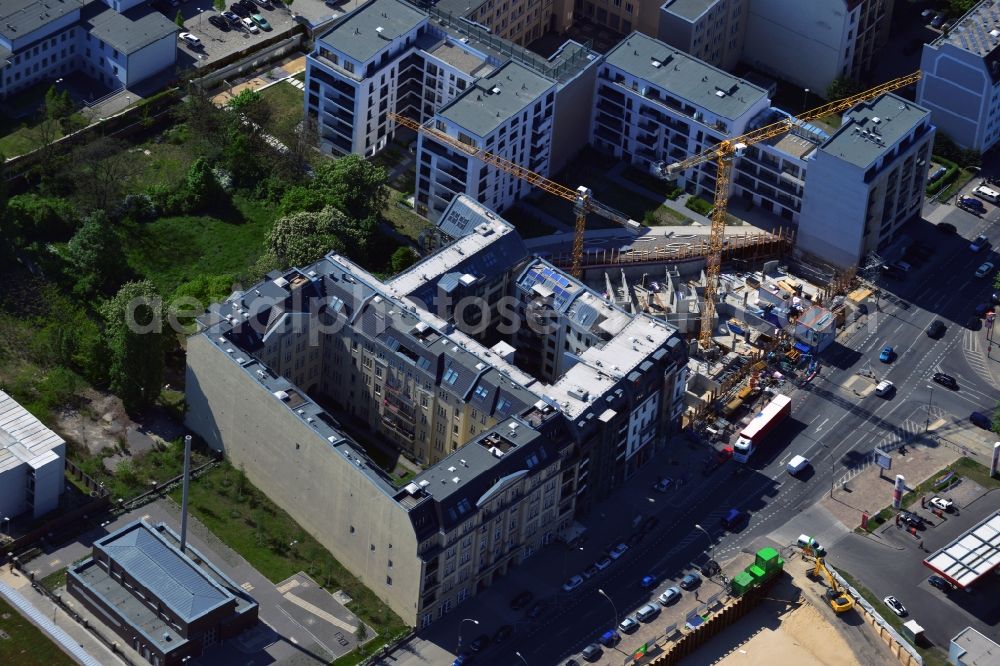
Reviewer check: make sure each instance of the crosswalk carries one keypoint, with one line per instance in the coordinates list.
(907, 431)
(295, 82)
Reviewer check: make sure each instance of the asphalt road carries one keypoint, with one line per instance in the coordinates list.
(832, 426)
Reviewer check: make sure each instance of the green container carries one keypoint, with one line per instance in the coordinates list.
(769, 560)
(742, 582)
(757, 572)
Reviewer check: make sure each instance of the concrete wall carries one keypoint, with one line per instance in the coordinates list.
(802, 42)
(833, 211)
(12, 490)
(313, 481)
(574, 107)
(957, 89)
(49, 482)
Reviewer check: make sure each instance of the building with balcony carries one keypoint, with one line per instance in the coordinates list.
(118, 43)
(32, 463)
(165, 604)
(866, 180)
(710, 30)
(280, 372)
(961, 78)
(517, 21)
(812, 43)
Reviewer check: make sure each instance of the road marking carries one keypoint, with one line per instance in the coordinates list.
(318, 612)
(820, 426)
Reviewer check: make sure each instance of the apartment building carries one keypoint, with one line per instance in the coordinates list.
(711, 30)
(509, 457)
(866, 180)
(656, 104)
(961, 78)
(32, 463)
(622, 16)
(518, 21)
(812, 43)
(119, 42)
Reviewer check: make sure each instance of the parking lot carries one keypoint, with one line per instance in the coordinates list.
(217, 43)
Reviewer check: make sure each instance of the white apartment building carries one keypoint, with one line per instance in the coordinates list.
(119, 43)
(866, 180)
(508, 113)
(812, 43)
(710, 30)
(961, 81)
(32, 463)
(656, 104)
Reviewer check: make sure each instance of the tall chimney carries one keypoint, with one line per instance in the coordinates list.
(184, 495)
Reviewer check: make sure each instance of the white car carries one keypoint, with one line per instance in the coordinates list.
(893, 603)
(984, 269)
(250, 26)
(572, 583)
(628, 625)
(884, 388)
(190, 40)
(942, 503)
(618, 551)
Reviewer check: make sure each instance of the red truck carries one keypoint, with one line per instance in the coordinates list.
(760, 425)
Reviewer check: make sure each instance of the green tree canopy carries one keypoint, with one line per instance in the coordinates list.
(403, 258)
(95, 255)
(300, 198)
(179, 19)
(302, 238)
(58, 105)
(32, 217)
(136, 343)
(354, 185)
(842, 87)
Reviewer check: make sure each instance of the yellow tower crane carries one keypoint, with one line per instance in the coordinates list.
(581, 197)
(723, 154)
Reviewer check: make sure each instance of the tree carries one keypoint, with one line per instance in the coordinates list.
(361, 635)
(201, 189)
(179, 19)
(302, 238)
(354, 185)
(136, 344)
(220, 5)
(958, 7)
(402, 258)
(842, 87)
(96, 256)
(300, 198)
(58, 105)
(104, 168)
(33, 217)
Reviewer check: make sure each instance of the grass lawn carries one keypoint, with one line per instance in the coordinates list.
(26, 645)
(403, 220)
(964, 176)
(54, 580)
(136, 473)
(932, 656)
(166, 164)
(666, 216)
(249, 523)
(173, 250)
(286, 104)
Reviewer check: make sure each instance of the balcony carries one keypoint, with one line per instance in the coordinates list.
(393, 425)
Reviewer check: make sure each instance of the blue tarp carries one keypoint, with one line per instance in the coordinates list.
(802, 347)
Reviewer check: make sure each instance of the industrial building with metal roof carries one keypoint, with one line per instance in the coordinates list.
(32, 462)
(166, 604)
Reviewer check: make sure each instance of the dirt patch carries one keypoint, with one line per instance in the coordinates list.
(99, 421)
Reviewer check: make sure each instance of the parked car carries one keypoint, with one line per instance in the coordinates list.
(940, 583)
(936, 329)
(671, 595)
(984, 269)
(480, 643)
(618, 551)
(590, 572)
(649, 524)
(663, 485)
(884, 388)
(979, 242)
(603, 563)
(893, 603)
(735, 519)
(249, 5)
(592, 652)
(942, 503)
(191, 40)
(239, 10)
(647, 613)
(971, 204)
(690, 581)
(609, 638)
(264, 4)
(250, 26)
(503, 633)
(219, 22)
(573, 583)
(648, 582)
(522, 599)
(937, 21)
(911, 519)
(888, 353)
(708, 568)
(261, 21)
(945, 380)
(980, 420)
(232, 17)
(628, 625)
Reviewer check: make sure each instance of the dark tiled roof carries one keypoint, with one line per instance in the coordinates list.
(19, 18)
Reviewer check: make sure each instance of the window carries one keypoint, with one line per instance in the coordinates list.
(388, 580)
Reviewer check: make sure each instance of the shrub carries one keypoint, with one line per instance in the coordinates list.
(699, 205)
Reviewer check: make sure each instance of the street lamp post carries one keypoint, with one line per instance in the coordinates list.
(805, 99)
(613, 607)
(711, 541)
(468, 619)
(521, 657)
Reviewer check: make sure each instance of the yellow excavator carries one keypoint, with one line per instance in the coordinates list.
(838, 598)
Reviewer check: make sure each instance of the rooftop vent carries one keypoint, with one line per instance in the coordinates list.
(281, 395)
(495, 90)
(455, 479)
(656, 63)
(876, 120)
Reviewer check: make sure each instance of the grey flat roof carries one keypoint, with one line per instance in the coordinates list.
(684, 76)
(357, 36)
(496, 98)
(861, 140)
(21, 17)
(128, 32)
(977, 649)
(689, 9)
(170, 576)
